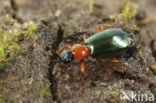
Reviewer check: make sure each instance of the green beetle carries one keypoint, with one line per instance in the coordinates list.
(105, 44)
(109, 43)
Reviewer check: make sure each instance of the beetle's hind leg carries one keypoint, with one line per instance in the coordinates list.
(140, 55)
(103, 26)
(117, 62)
(102, 63)
(143, 59)
(145, 21)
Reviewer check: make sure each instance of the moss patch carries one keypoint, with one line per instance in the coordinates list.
(44, 91)
(127, 13)
(8, 46)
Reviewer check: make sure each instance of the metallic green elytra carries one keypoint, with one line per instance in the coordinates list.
(109, 43)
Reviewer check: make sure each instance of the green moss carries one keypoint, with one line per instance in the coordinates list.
(1, 89)
(11, 100)
(30, 31)
(31, 88)
(8, 19)
(9, 43)
(91, 6)
(135, 28)
(44, 91)
(8, 46)
(126, 13)
(3, 95)
(112, 18)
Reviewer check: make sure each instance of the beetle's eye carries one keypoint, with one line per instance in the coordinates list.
(67, 56)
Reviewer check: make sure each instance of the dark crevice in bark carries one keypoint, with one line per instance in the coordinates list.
(54, 60)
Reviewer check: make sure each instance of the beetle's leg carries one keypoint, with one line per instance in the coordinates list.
(103, 26)
(85, 37)
(102, 63)
(65, 47)
(143, 59)
(145, 21)
(82, 72)
(117, 61)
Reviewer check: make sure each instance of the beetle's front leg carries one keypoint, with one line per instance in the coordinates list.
(103, 26)
(82, 72)
(65, 47)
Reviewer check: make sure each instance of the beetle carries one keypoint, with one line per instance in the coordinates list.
(108, 43)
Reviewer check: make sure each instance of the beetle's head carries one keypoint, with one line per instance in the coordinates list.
(67, 56)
